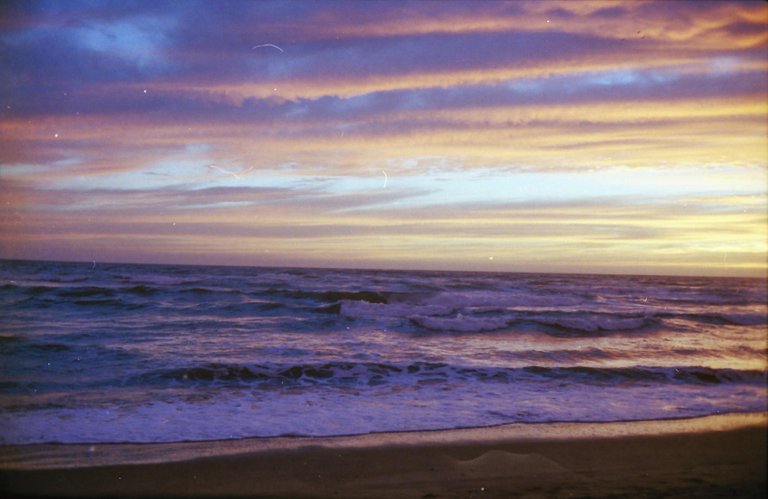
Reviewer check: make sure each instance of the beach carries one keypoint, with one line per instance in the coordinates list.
(384, 249)
(702, 457)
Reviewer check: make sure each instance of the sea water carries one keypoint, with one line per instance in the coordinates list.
(93, 352)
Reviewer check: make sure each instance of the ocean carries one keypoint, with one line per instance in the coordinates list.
(96, 352)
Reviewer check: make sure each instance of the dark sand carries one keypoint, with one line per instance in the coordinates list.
(719, 456)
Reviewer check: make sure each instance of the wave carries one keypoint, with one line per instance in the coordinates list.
(372, 374)
(14, 345)
(142, 290)
(47, 296)
(9, 343)
(50, 347)
(580, 324)
(725, 318)
(106, 303)
(562, 317)
(444, 319)
(39, 290)
(197, 291)
(85, 292)
(684, 374)
(461, 324)
(337, 296)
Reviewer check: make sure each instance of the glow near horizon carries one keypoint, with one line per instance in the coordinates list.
(380, 148)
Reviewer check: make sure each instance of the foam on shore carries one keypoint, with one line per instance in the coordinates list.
(61, 456)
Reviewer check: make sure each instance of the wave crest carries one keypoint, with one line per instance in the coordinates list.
(371, 374)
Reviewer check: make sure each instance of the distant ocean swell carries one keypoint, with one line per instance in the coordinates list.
(429, 311)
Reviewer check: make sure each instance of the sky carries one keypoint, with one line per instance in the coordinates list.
(571, 136)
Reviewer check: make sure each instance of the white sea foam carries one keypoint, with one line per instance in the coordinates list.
(332, 412)
(460, 323)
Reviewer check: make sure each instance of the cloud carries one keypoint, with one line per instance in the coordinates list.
(487, 118)
(200, 45)
(603, 230)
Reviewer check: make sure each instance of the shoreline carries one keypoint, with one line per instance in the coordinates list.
(80, 455)
(704, 457)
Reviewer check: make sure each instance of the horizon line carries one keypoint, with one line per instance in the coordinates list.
(96, 263)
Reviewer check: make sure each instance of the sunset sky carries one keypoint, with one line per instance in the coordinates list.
(620, 137)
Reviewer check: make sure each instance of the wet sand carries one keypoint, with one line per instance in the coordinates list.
(702, 457)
